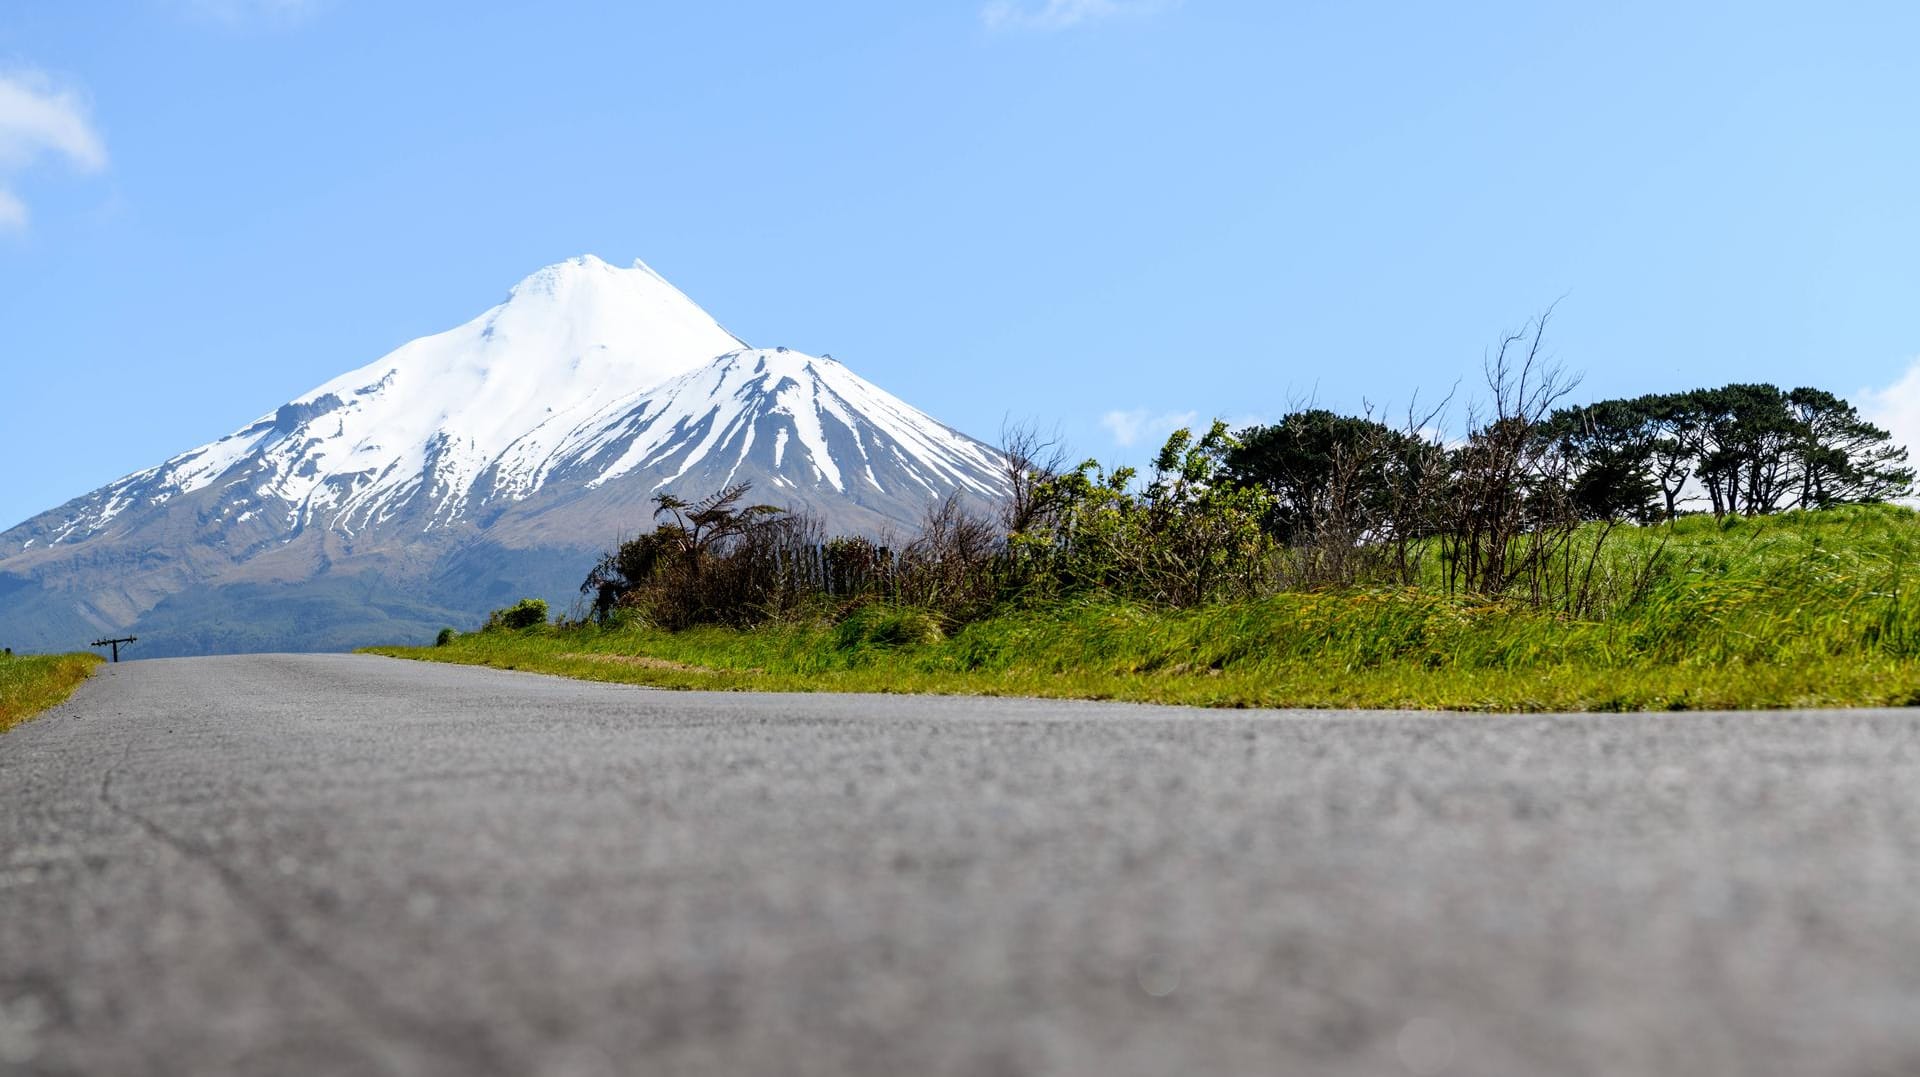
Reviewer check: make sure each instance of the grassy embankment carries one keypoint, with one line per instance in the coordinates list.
(1806, 609)
(30, 684)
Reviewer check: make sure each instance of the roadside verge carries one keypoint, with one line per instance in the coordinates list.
(30, 684)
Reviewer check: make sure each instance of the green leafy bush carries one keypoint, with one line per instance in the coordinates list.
(525, 613)
(1191, 537)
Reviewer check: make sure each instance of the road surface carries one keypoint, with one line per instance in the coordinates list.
(332, 864)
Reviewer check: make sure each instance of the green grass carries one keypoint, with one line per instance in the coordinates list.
(30, 684)
(1805, 609)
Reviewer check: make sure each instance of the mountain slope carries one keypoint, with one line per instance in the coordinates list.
(747, 410)
(465, 466)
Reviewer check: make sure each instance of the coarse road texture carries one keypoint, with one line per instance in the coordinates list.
(332, 864)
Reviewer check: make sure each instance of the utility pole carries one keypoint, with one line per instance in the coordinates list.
(115, 644)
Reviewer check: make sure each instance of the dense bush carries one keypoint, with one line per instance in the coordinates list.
(713, 561)
(955, 565)
(525, 613)
(1189, 537)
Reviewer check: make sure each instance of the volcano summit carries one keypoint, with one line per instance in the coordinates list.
(467, 468)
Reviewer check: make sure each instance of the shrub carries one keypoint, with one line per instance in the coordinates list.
(954, 566)
(445, 637)
(712, 561)
(525, 613)
(1191, 537)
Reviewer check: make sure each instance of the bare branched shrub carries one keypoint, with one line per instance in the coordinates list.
(1500, 476)
(1032, 461)
(953, 566)
(1512, 523)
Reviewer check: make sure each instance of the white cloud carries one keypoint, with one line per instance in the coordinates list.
(1060, 14)
(38, 118)
(13, 212)
(1897, 408)
(1129, 427)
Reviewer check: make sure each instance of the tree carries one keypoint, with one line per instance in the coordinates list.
(1749, 447)
(1839, 456)
(1747, 464)
(1610, 449)
(1323, 471)
(1678, 436)
(698, 527)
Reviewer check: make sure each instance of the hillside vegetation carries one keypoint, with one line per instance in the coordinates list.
(1554, 558)
(1816, 608)
(30, 684)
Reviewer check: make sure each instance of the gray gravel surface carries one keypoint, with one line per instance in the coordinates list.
(330, 864)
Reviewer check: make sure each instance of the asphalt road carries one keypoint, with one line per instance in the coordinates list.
(329, 864)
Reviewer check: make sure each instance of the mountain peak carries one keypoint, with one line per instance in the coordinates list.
(591, 271)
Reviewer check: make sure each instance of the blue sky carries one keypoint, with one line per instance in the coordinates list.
(1101, 214)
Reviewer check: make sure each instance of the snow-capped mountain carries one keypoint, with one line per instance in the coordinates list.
(802, 421)
(528, 437)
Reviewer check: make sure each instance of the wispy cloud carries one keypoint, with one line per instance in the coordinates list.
(40, 119)
(1131, 427)
(1061, 14)
(1896, 408)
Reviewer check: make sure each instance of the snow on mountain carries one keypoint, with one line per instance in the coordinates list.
(748, 410)
(587, 390)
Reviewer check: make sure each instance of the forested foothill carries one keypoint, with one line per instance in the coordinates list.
(1659, 550)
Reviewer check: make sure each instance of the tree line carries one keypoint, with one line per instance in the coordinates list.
(1753, 449)
(1527, 499)
(1747, 448)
